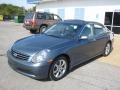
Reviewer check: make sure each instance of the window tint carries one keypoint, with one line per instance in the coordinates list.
(116, 21)
(87, 31)
(49, 17)
(98, 29)
(40, 16)
(108, 18)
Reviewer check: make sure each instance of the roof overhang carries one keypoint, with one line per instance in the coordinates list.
(39, 1)
(78, 3)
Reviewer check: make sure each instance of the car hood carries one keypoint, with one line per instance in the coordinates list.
(36, 43)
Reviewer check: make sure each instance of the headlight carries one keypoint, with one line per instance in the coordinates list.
(38, 57)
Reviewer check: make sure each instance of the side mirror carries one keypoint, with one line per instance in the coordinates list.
(84, 37)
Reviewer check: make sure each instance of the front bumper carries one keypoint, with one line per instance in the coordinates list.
(36, 71)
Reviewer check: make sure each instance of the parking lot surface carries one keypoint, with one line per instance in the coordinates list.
(102, 73)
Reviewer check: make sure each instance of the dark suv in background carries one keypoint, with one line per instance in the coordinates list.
(37, 22)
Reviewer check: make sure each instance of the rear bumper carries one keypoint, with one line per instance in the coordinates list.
(29, 27)
(36, 71)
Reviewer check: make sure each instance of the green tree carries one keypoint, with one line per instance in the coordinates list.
(31, 9)
(12, 10)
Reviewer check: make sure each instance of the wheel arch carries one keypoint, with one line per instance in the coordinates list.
(64, 55)
(111, 47)
(60, 55)
(109, 41)
(43, 25)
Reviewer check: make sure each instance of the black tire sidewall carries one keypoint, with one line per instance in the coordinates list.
(41, 28)
(33, 31)
(105, 49)
(51, 76)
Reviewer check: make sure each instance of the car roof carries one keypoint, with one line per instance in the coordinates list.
(44, 12)
(40, 12)
(79, 22)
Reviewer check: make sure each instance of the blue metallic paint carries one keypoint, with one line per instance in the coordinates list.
(78, 50)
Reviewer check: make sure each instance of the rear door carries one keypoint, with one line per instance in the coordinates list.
(49, 20)
(100, 36)
(39, 18)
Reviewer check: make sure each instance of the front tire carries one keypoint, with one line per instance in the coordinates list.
(108, 49)
(58, 69)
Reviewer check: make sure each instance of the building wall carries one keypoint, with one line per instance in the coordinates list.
(66, 12)
(89, 13)
(89, 10)
(77, 3)
(93, 10)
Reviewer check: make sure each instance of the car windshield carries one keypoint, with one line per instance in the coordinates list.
(63, 30)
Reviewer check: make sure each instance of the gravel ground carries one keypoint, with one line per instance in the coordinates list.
(114, 57)
(102, 73)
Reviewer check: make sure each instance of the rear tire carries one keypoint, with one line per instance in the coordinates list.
(32, 31)
(107, 49)
(58, 69)
(42, 28)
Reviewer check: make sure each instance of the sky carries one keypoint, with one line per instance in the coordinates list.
(22, 3)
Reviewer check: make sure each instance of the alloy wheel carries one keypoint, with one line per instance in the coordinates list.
(58, 69)
(107, 49)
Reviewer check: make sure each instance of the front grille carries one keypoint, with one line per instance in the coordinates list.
(19, 55)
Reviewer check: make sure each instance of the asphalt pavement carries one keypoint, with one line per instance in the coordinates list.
(92, 75)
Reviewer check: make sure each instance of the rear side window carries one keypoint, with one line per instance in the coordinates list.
(29, 16)
(40, 16)
(49, 17)
(56, 17)
(98, 29)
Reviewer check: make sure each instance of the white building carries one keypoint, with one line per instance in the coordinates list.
(103, 11)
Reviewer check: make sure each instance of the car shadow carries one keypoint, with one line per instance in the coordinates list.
(84, 63)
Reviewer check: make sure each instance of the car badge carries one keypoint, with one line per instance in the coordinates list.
(15, 54)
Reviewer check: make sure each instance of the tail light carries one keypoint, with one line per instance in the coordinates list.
(33, 22)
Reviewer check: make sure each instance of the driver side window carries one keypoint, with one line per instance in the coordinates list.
(87, 31)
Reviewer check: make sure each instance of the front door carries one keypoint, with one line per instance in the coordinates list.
(84, 48)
